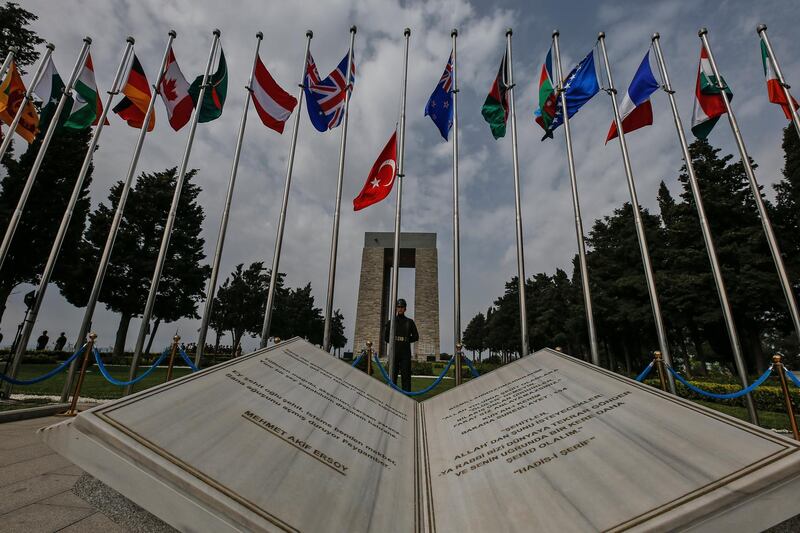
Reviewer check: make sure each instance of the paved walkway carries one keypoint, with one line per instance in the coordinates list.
(36, 485)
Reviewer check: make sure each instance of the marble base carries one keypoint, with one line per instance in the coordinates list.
(290, 439)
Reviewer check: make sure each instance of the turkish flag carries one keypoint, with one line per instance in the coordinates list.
(381, 178)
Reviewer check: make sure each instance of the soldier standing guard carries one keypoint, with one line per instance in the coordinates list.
(405, 334)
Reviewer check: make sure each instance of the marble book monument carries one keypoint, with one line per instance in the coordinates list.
(291, 439)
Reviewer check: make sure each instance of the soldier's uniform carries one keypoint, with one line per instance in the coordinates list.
(405, 333)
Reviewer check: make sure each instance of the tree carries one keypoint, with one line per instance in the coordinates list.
(338, 340)
(127, 281)
(239, 303)
(298, 317)
(44, 209)
(474, 335)
(14, 22)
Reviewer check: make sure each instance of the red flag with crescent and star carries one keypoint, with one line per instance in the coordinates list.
(381, 178)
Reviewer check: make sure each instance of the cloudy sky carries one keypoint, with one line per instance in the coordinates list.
(487, 201)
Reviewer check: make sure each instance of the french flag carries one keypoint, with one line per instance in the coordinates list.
(636, 110)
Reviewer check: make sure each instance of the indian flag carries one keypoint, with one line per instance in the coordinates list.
(86, 109)
(708, 102)
(774, 89)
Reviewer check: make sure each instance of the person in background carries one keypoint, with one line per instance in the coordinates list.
(41, 342)
(405, 334)
(60, 342)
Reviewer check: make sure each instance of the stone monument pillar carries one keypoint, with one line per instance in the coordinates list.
(417, 251)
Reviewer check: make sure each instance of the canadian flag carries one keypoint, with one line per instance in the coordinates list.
(381, 178)
(174, 91)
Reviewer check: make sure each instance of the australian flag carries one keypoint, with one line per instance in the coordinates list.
(440, 104)
(326, 97)
(579, 87)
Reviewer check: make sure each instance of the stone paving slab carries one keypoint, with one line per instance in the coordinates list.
(36, 466)
(41, 517)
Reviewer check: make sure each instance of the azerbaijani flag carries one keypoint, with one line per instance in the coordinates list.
(87, 108)
(774, 89)
(636, 111)
(708, 102)
(547, 94)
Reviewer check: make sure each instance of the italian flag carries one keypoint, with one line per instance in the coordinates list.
(87, 108)
(495, 107)
(774, 89)
(708, 102)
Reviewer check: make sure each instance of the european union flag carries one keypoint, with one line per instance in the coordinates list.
(440, 104)
(581, 84)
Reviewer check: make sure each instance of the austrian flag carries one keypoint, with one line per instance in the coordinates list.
(272, 103)
(636, 111)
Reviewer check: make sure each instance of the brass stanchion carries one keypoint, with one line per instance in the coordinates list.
(777, 365)
(458, 376)
(175, 341)
(73, 407)
(276, 340)
(662, 370)
(369, 358)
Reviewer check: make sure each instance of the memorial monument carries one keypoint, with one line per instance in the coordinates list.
(417, 251)
(291, 439)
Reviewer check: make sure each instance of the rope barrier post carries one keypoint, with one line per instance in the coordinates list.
(276, 340)
(459, 378)
(659, 359)
(73, 407)
(175, 340)
(369, 358)
(778, 365)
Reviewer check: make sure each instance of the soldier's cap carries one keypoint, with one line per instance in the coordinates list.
(401, 303)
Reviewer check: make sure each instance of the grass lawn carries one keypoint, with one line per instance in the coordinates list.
(95, 386)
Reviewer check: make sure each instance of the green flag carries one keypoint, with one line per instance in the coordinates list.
(495, 108)
(49, 90)
(214, 98)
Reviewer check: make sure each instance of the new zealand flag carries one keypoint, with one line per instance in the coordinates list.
(440, 104)
(326, 97)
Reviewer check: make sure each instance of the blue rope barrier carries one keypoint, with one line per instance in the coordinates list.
(358, 359)
(475, 373)
(794, 378)
(645, 372)
(419, 392)
(753, 386)
(137, 379)
(188, 360)
(43, 377)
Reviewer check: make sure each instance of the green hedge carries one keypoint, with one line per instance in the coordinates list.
(768, 397)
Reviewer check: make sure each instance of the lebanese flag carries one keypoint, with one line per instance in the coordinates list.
(774, 89)
(273, 104)
(636, 111)
(381, 178)
(708, 102)
(174, 90)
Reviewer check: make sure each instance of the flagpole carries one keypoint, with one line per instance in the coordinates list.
(576, 208)
(326, 343)
(788, 291)
(716, 270)
(223, 225)
(30, 319)
(761, 29)
(276, 256)
(105, 258)
(170, 223)
(14, 222)
(637, 216)
(398, 210)
(456, 229)
(7, 61)
(523, 313)
(28, 96)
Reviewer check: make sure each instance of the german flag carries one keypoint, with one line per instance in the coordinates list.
(133, 106)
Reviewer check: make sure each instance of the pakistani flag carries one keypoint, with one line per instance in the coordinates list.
(495, 107)
(49, 90)
(214, 98)
(708, 102)
(87, 107)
